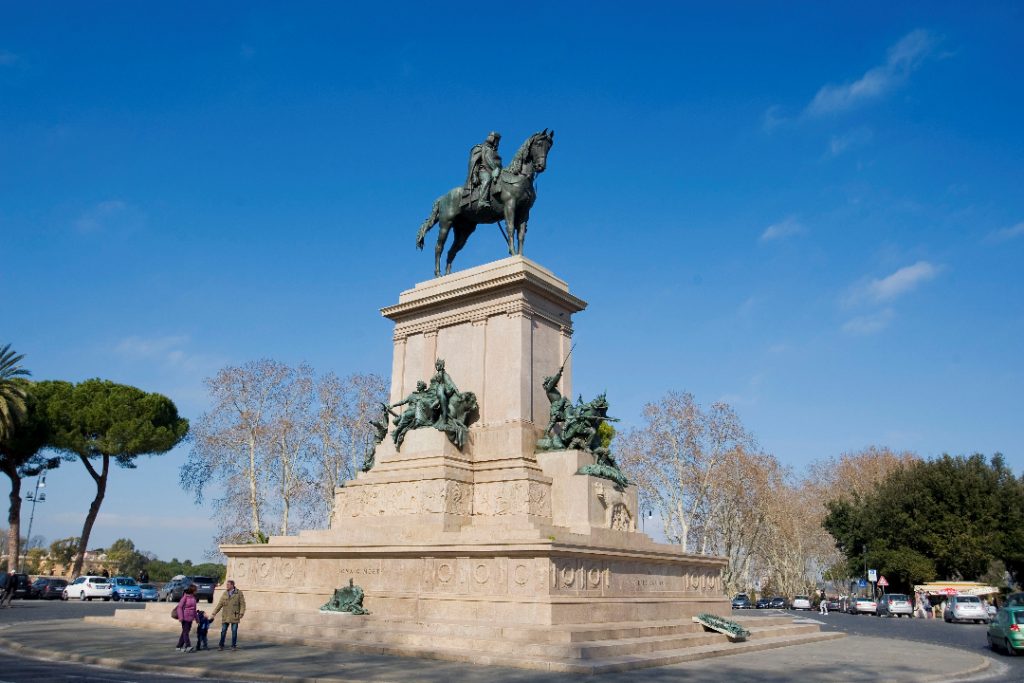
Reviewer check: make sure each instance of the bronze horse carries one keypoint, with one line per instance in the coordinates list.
(511, 200)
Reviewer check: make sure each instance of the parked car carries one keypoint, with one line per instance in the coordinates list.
(834, 604)
(87, 588)
(965, 608)
(1006, 631)
(894, 605)
(1014, 600)
(779, 602)
(173, 589)
(763, 603)
(741, 601)
(862, 606)
(148, 592)
(47, 589)
(802, 602)
(22, 587)
(168, 590)
(124, 588)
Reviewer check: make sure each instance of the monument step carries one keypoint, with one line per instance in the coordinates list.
(566, 633)
(364, 634)
(701, 646)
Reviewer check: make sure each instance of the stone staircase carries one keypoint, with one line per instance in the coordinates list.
(576, 648)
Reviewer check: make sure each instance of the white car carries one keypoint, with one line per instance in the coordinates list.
(965, 608)
(863, 606)
(802, 602)
(87, 588)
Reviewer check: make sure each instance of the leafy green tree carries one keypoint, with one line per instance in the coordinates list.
(126, 558)
(100, 421)
(12, 389)
(35, 559)
(160, 570)
(20, 454)
(945, 518)
(63, 550)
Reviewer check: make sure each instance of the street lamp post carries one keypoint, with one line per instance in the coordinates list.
(643, 519)
(866, 568)
(35, 497)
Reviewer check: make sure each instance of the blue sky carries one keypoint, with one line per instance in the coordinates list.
(812, 212)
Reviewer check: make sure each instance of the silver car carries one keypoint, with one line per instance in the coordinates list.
(894, 605)
(965, 608)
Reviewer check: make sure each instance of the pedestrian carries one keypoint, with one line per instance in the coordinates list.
(202, 630)
(823, 606)
(143, 576)
(186, 615)
(9, 588)
(233, 603)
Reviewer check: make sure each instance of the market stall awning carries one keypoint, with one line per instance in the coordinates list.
(955, 588)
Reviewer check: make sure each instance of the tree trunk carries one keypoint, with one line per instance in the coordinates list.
(94, 509)
(254, 501)
(285, 499)
(14, 521)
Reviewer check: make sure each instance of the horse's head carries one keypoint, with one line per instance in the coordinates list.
(532, 157)
(540, 144)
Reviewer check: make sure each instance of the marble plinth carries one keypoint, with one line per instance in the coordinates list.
(495, 534)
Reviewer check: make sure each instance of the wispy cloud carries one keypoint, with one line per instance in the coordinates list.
(773, 118)
(1006, 234)
(903, 58)
(99, 216)
(869, 324)
(839, 144)
(878, 292)
(902, 281)
(171, 350)
(7, 58)
(788, 227)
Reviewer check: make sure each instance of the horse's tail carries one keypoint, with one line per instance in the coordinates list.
(435, 215)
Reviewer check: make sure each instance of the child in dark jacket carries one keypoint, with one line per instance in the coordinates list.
(202, 628)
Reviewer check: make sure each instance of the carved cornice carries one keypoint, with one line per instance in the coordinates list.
(521, 280)
(478, 316)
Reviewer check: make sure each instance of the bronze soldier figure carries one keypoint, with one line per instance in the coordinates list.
(484, 166)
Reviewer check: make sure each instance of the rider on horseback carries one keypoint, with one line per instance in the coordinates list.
(484, 167)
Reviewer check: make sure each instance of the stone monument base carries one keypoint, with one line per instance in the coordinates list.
(493, 553)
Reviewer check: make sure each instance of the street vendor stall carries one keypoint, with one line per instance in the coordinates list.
(947, 588)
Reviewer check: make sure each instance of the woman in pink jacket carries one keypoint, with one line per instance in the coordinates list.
(186, 615)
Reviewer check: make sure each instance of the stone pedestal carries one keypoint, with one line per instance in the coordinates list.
(495, 533)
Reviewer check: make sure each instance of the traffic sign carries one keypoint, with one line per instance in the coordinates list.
(862, 583)
(882, 582)
(872, 575)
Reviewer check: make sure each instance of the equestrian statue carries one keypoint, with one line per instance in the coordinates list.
(491, 193)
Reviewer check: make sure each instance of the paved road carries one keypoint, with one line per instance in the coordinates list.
(881, 649)
(34, 610)
(967, 637)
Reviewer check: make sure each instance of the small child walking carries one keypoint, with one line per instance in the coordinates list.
(202, 629)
